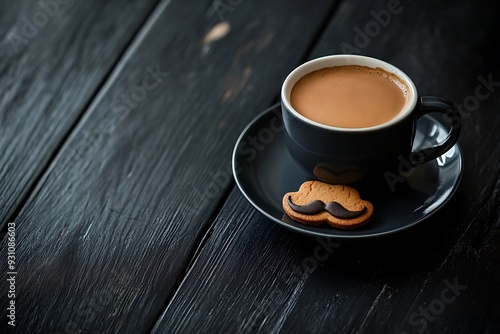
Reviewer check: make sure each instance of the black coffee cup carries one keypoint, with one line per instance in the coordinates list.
(346, 155)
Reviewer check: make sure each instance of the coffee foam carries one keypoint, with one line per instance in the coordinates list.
(395, 79)
(368, 70)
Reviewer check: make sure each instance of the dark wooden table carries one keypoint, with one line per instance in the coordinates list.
(117, 202)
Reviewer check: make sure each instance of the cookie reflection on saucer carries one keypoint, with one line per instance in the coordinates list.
(327, 173)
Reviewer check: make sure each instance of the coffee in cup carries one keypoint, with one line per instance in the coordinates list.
(349, 96)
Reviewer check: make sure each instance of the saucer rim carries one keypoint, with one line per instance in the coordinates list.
(307, 232)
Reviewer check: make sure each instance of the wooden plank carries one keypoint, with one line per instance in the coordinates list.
(108, 233)
(249, 275)
(54, 55)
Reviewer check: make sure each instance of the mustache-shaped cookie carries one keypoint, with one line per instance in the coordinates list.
(318, 203)
(334, 208)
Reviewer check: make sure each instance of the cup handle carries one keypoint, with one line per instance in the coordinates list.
(426, 105)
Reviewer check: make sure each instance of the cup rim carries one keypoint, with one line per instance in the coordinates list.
(340, 60)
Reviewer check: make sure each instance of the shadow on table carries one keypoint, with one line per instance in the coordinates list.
(420, 248)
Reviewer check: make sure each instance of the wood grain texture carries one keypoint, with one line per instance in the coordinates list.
(54, 55)
(107, 234)
(253, 276)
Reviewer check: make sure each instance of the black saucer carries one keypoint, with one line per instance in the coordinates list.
(265, 171)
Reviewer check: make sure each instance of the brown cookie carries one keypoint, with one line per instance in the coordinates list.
(318, 203)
